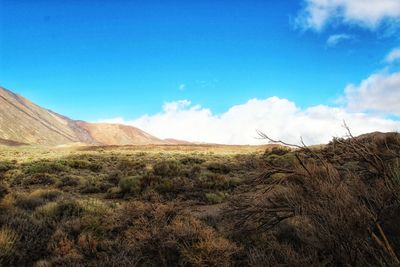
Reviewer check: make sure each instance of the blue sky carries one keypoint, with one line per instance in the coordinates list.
(96, 60)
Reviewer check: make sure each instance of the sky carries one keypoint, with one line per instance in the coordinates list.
(209, 70)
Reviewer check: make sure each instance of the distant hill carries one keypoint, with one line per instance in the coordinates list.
(117, 134)
(23, 122)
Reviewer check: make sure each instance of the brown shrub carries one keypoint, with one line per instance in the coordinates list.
(316, 209)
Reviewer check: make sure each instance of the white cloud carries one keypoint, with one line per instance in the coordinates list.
(279, 118)
(393, 56)
(365, 13)
(182, 87)
(333, 40)
(379, 92)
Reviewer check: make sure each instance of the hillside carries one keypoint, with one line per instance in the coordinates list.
(117, 134)
(23, 122)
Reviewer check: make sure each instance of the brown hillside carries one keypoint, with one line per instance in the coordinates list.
(22, 121)
(117, 134)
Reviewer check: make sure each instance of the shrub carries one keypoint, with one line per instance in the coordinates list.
(216, 198)
(318, 211)
(90, 188)
(159, 235)
(82, 164)
(13, 174)
(7, 243)
(130, 185)
(38, 179)
(57, 211)
(28, 203)
(214, 181)
(6, 166)
(278, 151)
(168, 168)
(69, 180)
(194, 172)
(41, 167)
(3, 190)
(217, 167)
(46, 194)
(31, 244)
(192, 160)
(36, 198)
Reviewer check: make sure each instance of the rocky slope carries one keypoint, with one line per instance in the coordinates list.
(23, 122)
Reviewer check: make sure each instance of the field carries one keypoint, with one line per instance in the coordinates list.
(202, 205)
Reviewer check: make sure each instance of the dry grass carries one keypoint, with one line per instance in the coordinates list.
(197, 205)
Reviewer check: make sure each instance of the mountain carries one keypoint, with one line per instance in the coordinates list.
(118, 134)
(23, 122)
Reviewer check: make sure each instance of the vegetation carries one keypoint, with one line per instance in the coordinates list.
(336, 205)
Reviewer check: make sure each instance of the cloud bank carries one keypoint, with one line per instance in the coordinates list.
(279, 118)
(365, 13)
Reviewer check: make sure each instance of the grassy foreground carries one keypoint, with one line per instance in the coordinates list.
(202, 205)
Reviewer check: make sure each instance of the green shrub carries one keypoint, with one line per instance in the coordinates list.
(12, 174)
(83, 164)
(192, 160)
(217, 167)
(168, 168)
(194, 172)
(6, 166)
(214, 181)
(44, 167)
(216, 198)
(131, 184)
(57, 211)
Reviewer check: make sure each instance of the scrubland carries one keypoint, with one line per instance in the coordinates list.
(334, 205)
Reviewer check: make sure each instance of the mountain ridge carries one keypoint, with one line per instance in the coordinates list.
(24, 122)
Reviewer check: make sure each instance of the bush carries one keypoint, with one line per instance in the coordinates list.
(278, 151)
(159, 235)
(168, 168)
(46, 194)
(57, 211)
(69, 180)
(192, 160)
(83, 164)
(6, 166)
(31, 243)
(3, 190)
(130, 185)
(217, 167)
(318, 211)
(41, 167)
(216, 198)
(28, 203)
(7, 243)
(38, 179)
